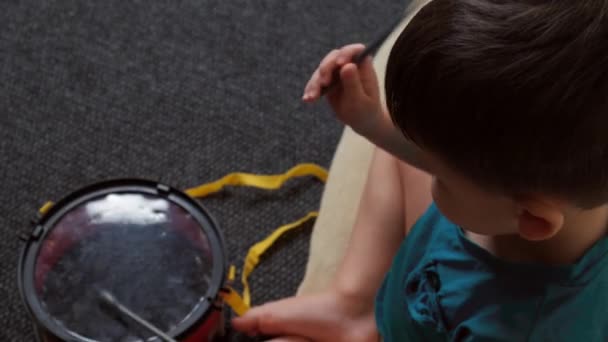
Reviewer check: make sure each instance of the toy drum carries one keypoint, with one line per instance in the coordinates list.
(156, 250)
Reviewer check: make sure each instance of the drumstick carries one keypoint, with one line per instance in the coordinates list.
(369, 50)
(110, 300)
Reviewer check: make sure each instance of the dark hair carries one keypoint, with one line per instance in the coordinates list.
(513, 94)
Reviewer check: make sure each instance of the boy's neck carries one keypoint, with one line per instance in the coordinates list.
(576, 237)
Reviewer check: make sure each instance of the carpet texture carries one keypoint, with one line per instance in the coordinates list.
(177, 91)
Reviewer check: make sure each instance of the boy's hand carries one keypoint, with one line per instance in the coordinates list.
(318, 318)
(355, 98)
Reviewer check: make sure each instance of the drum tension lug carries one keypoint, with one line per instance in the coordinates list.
(163, 189)
(23, 237)
(37, 232)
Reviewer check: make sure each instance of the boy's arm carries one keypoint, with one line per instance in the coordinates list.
(382, 132)
(356, 102)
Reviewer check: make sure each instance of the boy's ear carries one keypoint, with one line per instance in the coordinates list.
(539, 220)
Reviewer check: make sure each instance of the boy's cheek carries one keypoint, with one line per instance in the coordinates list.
(445, 202)
(480, 215)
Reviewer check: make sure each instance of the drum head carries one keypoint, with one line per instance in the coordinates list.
(157, 251)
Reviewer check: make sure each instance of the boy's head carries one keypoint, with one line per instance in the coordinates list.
(512, 95)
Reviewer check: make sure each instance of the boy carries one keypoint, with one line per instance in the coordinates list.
(504, 105)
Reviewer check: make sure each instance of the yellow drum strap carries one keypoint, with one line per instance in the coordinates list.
(239, 304)
(268, 182)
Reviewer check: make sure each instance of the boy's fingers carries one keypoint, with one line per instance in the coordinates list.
(247, 323)
(369, 80)
(327, 66)
(348, 53)
(351, 82)
(331, 65)
(289, 339)
(293, 316)
(336, 59)
(266, 319)
(312, 89)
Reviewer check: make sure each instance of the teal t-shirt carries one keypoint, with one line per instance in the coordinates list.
(444, 287)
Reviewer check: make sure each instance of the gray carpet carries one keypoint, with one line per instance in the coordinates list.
(178, 91)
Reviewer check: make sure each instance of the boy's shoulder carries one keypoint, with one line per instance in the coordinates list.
(450, 284)
(575, 313)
